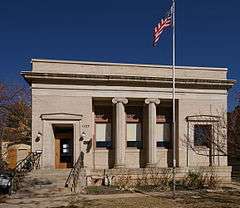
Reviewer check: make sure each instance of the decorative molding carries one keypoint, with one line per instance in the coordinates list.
(152, 100)
(119, 100)
(203, 118)
(61, 116)
(125, 80)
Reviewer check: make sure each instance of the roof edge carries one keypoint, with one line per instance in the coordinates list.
(31, 76)
(127, 64)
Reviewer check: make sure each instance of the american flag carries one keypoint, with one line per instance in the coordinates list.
(161, 26)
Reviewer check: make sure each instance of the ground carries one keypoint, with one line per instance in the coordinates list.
(45, 189)
(184, 199)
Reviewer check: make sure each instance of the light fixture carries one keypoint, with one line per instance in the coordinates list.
(39, 134)
(39, 151)
(83, 134)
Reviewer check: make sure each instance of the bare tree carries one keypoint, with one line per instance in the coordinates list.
(234, 136)
(214, 135)
(15, 115)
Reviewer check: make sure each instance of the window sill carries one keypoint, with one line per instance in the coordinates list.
(102, 149)
(201, 147)
(164, 148)
(132, 149)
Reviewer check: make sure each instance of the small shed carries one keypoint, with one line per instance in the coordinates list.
(17, 152)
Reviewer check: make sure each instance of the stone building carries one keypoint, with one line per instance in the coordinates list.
(120, 115)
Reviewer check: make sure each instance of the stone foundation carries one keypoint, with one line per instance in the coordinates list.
(99, 177)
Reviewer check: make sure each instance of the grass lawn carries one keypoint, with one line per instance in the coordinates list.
(189, 199)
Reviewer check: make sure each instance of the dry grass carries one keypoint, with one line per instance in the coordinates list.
(208, 200)
(2, 199)
(226, 199)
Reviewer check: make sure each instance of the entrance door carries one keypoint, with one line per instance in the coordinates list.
(63, 147)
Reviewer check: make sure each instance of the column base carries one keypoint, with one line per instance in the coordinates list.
(151, 165)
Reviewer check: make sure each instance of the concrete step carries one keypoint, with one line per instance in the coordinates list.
(47, 178)
(54, 172)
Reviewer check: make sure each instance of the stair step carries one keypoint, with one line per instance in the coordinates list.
(47, 178)
(56, 173)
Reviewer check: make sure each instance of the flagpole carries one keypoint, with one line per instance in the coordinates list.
(173, 99)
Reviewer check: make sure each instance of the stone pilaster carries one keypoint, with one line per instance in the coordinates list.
(120, 131)
(151, 142)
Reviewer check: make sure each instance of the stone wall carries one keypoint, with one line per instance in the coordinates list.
(132, 175)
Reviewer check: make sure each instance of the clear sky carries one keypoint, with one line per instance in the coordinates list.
(208, 33)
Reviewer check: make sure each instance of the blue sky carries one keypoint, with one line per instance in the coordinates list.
(208, 34)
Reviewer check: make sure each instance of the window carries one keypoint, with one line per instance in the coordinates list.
(202, 135)
(134, 135)
(163, 132)
(134, 127)
(163, 135)
(103, 126)
(103, 134)
(65, 150)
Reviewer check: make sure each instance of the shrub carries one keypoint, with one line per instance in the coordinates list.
(150, 178)
(166, 178)
(200, 180)
(161, 179)
(213, 181)
(124, 182)
(194, 180)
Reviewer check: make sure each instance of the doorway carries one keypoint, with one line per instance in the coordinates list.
(63, 146)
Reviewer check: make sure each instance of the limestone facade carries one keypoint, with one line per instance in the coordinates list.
(68, 93)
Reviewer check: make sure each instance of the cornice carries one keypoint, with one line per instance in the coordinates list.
(124, 80)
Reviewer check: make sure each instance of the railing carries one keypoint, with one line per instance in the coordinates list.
(24, 166)
(74, 174)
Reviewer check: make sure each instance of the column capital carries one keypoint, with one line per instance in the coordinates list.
(119, 100)
(152, 100)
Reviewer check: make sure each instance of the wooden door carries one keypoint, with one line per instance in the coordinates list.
(57, 153)
(63, 150)
(12, 158)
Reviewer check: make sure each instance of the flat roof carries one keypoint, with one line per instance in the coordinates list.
(127, 64)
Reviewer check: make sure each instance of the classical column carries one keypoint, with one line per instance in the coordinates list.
(120, 131)
(152, 142)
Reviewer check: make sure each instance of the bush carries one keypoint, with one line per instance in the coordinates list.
(194, 180)
(213, 181)
(150, 178)
(124, 182)
(161, 179)
(166, 179)
(200, 180)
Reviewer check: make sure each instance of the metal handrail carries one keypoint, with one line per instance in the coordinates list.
(74, 173)
(26, 165)
(29, 162)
